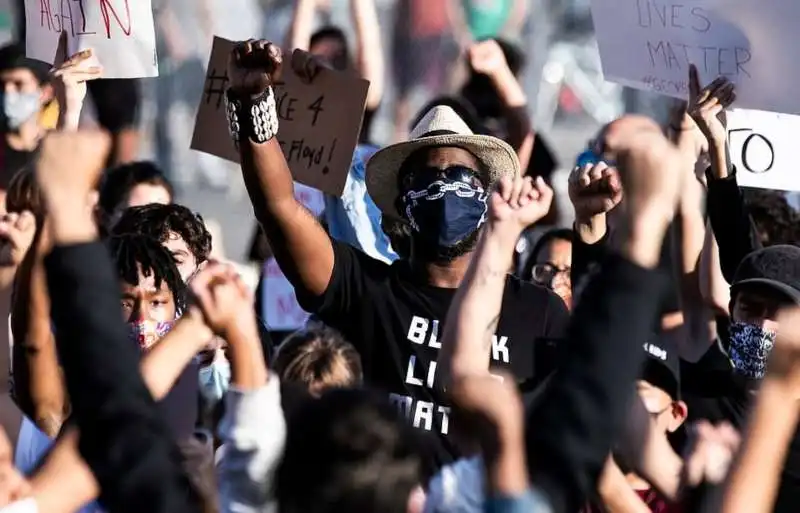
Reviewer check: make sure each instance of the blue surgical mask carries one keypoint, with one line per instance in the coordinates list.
(446, 212)
(750, 346)
(215, 379)
(19, 107)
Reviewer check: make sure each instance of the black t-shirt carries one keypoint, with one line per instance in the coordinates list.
(11, 161)
(712, 391)
(395, 322)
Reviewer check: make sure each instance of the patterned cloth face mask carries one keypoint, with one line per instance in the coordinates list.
(146, 333)
(447, 211)
(750, 346)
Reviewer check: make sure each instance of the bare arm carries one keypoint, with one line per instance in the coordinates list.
(299, 35)
(715, 290)
(475, 310)
(369, 50)
(300, 245)
(38, 373)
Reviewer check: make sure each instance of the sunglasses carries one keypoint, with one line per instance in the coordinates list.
(422, 177)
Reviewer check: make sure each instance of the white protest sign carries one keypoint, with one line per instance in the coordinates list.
(280, 308)
(762, 146)
(649, 44)
(120, 32)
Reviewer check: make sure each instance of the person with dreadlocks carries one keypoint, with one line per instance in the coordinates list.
(152, 296)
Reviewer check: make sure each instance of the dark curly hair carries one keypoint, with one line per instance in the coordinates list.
(775, 220)
(118, 182)
(132, 253)
(158, 221)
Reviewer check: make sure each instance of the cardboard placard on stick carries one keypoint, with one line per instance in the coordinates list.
(319, 121)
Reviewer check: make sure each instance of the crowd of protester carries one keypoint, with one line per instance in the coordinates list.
(465, 354)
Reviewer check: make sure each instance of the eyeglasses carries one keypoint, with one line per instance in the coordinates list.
(544, 274)
(421, 177)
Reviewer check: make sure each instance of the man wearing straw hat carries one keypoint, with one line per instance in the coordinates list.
(438, 183)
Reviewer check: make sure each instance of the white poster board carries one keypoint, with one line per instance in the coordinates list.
(760, 145)
(280, 309)
(649, 44)
(120, 32)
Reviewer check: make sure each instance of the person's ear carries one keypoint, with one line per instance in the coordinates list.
(678, 415)
(47, 95)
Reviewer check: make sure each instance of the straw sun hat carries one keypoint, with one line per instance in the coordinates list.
(441, 126)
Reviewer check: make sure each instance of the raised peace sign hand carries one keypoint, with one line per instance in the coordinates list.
(706, 106)
(519, 202)
(253, 66)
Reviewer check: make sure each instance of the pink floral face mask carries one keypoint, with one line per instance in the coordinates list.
(146, 333)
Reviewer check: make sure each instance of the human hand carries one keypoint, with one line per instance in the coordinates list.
(307, 65)
(13, 485)
(70, 165)
(492, 405)
(487, 58)
(594, 190)
(649, 165)
(225, 302)
(17, 232)
(73, 74)
(709, 453)
(253, 66)
(707, 105)
(519, 202)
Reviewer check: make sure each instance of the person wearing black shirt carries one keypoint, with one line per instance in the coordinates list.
(26, 89)
(436, 182)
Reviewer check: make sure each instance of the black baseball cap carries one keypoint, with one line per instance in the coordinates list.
(662, 367)
(776, 267)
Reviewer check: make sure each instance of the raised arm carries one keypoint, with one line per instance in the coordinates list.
(475, 311)
(299, 35)
(124, 439)
(369, 49)
(300, 245)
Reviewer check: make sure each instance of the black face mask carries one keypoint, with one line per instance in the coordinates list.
(445, 212)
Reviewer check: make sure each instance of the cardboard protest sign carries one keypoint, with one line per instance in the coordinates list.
(280, 308)
(319, 121)
(762, 146)
(649, 44)
(120, 32)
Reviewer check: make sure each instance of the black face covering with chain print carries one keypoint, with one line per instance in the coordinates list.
(446, 212)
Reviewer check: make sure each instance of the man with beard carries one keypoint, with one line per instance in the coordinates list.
(437, 182)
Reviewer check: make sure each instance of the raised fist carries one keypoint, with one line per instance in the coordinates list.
(519, 202)
(594, 189)
(223, 299)
(650, 166)
(487, 57)
(253, 66)
(16, 236)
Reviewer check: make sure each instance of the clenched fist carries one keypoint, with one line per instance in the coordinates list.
(519, 202)
(594, 189)
(253, 66)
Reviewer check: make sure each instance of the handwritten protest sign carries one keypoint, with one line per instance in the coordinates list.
(649, 44)
(281, 311)
(121, 33)
(763, 146)
(319, 121)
